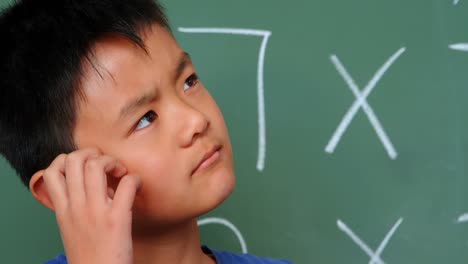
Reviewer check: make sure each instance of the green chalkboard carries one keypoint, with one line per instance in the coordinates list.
(349, 127)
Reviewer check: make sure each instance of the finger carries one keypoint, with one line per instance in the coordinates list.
(54, 181)
(96, 171)
(74, 173)
(125, 193)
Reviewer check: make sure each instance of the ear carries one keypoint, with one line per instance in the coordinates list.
(39, 190)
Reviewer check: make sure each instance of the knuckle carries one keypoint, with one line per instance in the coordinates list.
(82, 154)
(93, 164)
(61, 156)
(57, 161)
(107, 159)
(72, 157)
(50, 172)
(92, 152)
(47, 173)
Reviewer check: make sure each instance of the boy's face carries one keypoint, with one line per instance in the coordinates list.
(149, 111)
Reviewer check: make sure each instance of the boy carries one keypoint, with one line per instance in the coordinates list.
(147, 149)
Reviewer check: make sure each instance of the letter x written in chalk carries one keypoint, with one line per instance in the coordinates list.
(374, 256)
(361, 102)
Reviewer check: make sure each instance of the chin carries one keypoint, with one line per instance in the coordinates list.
(219, 190)
(226, 189)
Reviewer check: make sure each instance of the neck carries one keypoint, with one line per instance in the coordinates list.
(178, 244)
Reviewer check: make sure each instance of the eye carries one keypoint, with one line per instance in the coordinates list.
(146, 120)
(191, 81)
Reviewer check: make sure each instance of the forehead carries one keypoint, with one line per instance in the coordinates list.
(116, 62)
(113, 54)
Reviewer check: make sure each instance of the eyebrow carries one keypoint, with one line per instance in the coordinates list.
(150, 96)
(133, 105)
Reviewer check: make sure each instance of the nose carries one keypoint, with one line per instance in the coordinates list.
(193, 124)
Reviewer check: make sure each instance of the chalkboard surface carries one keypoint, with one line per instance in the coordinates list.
(349, 127)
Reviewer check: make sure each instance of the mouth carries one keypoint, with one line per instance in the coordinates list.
(208, 159)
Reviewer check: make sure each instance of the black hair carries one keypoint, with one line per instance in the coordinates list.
(43, 46)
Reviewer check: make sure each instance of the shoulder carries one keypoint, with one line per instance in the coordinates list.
(60, 259)
(224, 257)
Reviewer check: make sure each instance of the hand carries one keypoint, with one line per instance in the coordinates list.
(95, 224)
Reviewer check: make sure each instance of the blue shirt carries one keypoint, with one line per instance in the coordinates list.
(221, 257)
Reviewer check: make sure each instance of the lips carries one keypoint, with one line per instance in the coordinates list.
(208, 159)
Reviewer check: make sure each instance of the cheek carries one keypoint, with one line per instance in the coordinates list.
(221, 129)
(211, 108)
(154, 171)
(161, 177)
